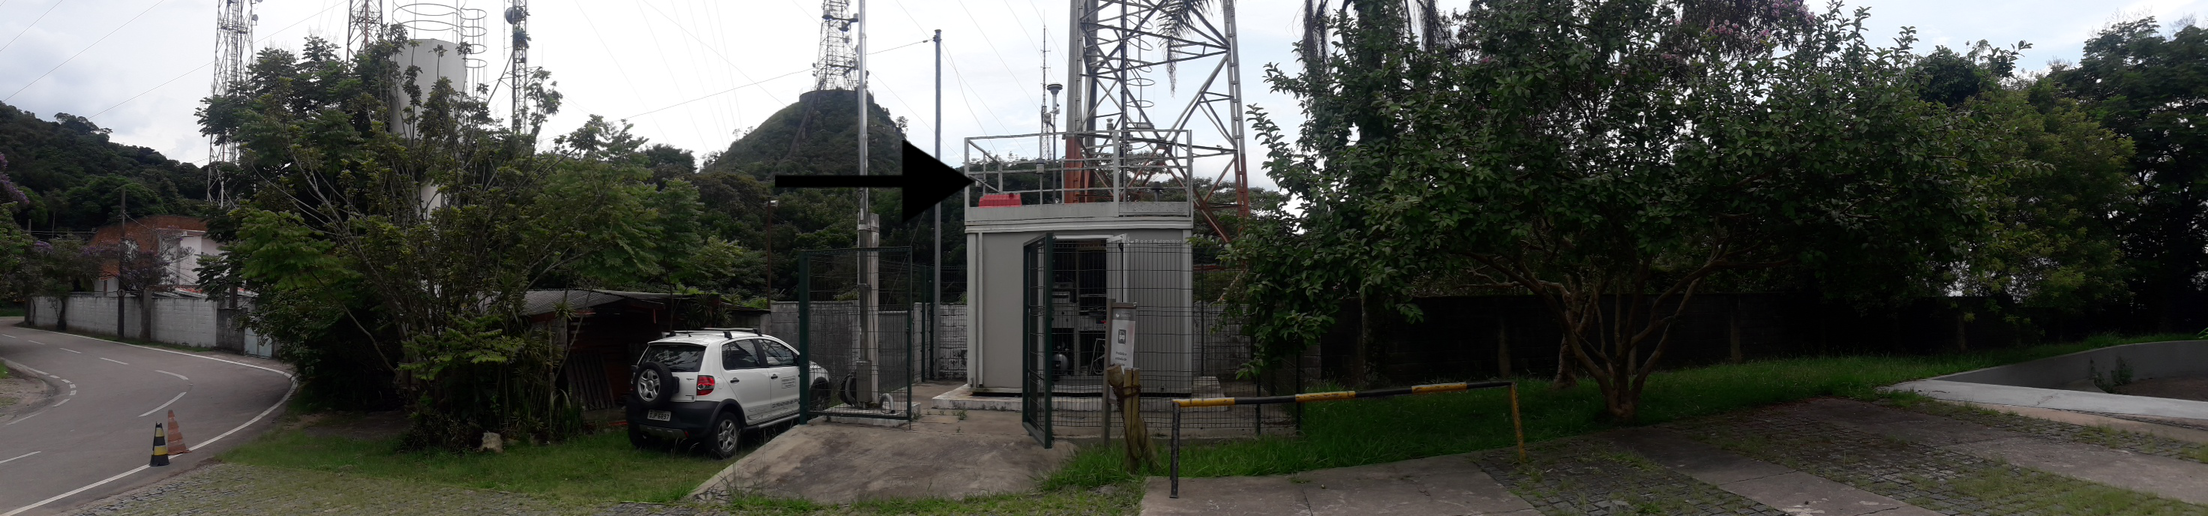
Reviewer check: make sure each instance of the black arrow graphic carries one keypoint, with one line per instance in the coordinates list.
(926, 181)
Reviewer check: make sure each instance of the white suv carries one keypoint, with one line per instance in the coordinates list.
(714, 383)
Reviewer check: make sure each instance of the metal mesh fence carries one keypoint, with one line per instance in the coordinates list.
(857, 319)
(1183, 345)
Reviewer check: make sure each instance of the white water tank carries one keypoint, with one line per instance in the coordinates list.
(437, 59)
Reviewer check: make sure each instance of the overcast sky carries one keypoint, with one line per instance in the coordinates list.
(140, 67)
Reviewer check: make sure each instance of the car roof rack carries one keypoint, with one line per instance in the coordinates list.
(726, 333)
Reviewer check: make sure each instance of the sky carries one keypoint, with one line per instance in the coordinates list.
(695, 73)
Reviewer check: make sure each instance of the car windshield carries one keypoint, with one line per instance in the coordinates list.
(680, 358)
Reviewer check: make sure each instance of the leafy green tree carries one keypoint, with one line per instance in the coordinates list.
(2145, 85)
(1609, 158)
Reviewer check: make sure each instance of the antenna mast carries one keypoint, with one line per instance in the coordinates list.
(1118, 48)
(521, 78)
(364, 21)
(234, 21)
(837, 65)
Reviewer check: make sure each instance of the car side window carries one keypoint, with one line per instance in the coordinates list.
(777, 354)
(738, 355)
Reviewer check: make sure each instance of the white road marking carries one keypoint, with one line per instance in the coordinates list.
(21, 510)
(59, 403)
(72, 351)
(115, 361)
(8, 336)
(179, 396)
(178, 376)
(19, 365)
(18, 457)
(202, 444)
(20, 419)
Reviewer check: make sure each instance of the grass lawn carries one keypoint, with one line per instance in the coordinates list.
(588, 469)
(1353, 433)
(11, 311)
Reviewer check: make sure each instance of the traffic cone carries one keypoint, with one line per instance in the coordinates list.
(160, 446)
(176, 437)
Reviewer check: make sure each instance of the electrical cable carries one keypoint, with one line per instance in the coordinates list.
(1008, 70)
(73, 57)
(761, 81)
(34, 23)
(955, 74)
(206, 64)
(664, 63)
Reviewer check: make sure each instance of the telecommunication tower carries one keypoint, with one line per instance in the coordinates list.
(234, 21)
(837, 66)
(519, 74)
(1116, 53)
(363, 22)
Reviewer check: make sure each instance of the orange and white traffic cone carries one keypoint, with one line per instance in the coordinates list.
(176, 437)
(160, 446)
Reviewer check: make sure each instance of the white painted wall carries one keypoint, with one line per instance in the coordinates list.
(180, 321)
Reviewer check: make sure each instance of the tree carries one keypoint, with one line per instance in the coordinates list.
(2145, 85)
(1610, 158)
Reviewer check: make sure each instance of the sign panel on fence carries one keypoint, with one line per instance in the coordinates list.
(1123, 334)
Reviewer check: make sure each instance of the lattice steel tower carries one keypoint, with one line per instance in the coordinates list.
(837, 67)
(1118, 51)
(363, 24)
(519, 75)
(234, 21)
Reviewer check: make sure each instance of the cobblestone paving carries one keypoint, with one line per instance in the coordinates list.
(1597, 478)
(1928, 477)
(249, 490)
(2104, 437)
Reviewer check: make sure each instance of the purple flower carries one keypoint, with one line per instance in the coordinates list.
(42, 247)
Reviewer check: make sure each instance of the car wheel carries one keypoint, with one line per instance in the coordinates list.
(850, 391)
(654, 384)
(823, 395)
(727, 436)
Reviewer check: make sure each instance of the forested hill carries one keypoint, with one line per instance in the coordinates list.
(815, 135)
(72, 174)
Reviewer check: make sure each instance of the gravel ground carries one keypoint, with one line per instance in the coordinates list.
(1597, 478)
(250, 490)
(1932, 478)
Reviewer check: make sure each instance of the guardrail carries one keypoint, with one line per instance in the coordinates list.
(1517, 426)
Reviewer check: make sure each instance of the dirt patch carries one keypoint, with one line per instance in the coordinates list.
(2193, 388)
(359, 426)
(18, 388)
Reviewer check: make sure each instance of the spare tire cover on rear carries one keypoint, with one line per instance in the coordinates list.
(654, 383)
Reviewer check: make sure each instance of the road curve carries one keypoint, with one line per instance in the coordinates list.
(94, 437)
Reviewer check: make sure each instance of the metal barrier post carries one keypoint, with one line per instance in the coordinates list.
(1176, 450)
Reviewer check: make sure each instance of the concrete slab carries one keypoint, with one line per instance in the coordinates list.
(2161, 476)
(1437, 485)
(831, 463)
(1769, 484)
(2064, 416)
(2059, 399)
(2181, 480)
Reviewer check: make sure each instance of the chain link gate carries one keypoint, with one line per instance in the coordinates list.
(858, 317)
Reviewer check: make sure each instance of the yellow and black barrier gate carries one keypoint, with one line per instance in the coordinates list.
(1518, 427)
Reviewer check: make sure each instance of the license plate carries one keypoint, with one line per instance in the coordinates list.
(658, 415)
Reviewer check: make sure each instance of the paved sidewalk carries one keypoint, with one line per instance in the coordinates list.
(2167, 477)
(1770, 484)
(1439, 485)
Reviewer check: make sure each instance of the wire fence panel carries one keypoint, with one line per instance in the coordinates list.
(1182, 346)
(856, 319)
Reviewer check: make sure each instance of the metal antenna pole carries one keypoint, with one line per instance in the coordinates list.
(935, 297)
(869, 236)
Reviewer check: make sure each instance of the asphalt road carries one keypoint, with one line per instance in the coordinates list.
(94, 437)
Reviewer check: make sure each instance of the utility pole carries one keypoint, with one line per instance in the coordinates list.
(869, 237)
(935, 298)
(122, 233)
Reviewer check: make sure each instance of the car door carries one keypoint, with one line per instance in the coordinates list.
(782, 362)
(748, 380)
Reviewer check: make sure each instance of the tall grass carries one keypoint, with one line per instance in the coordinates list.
(1353, 433)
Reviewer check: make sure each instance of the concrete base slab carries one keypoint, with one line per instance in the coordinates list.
(1769, 484)
(1438, 485)
(2161, 476)
(830, 463)
(2064, 416)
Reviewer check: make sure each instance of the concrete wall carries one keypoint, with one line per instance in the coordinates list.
(200, 323)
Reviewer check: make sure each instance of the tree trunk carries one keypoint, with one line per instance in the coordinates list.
(1359, 367)
(1622, 402)
(1502, 348)
(1566, 376)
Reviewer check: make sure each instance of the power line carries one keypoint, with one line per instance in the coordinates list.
(65, 62)
(210, 62)
(1008, 70)
(761, 81)
(34, 23)
(956, 75)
